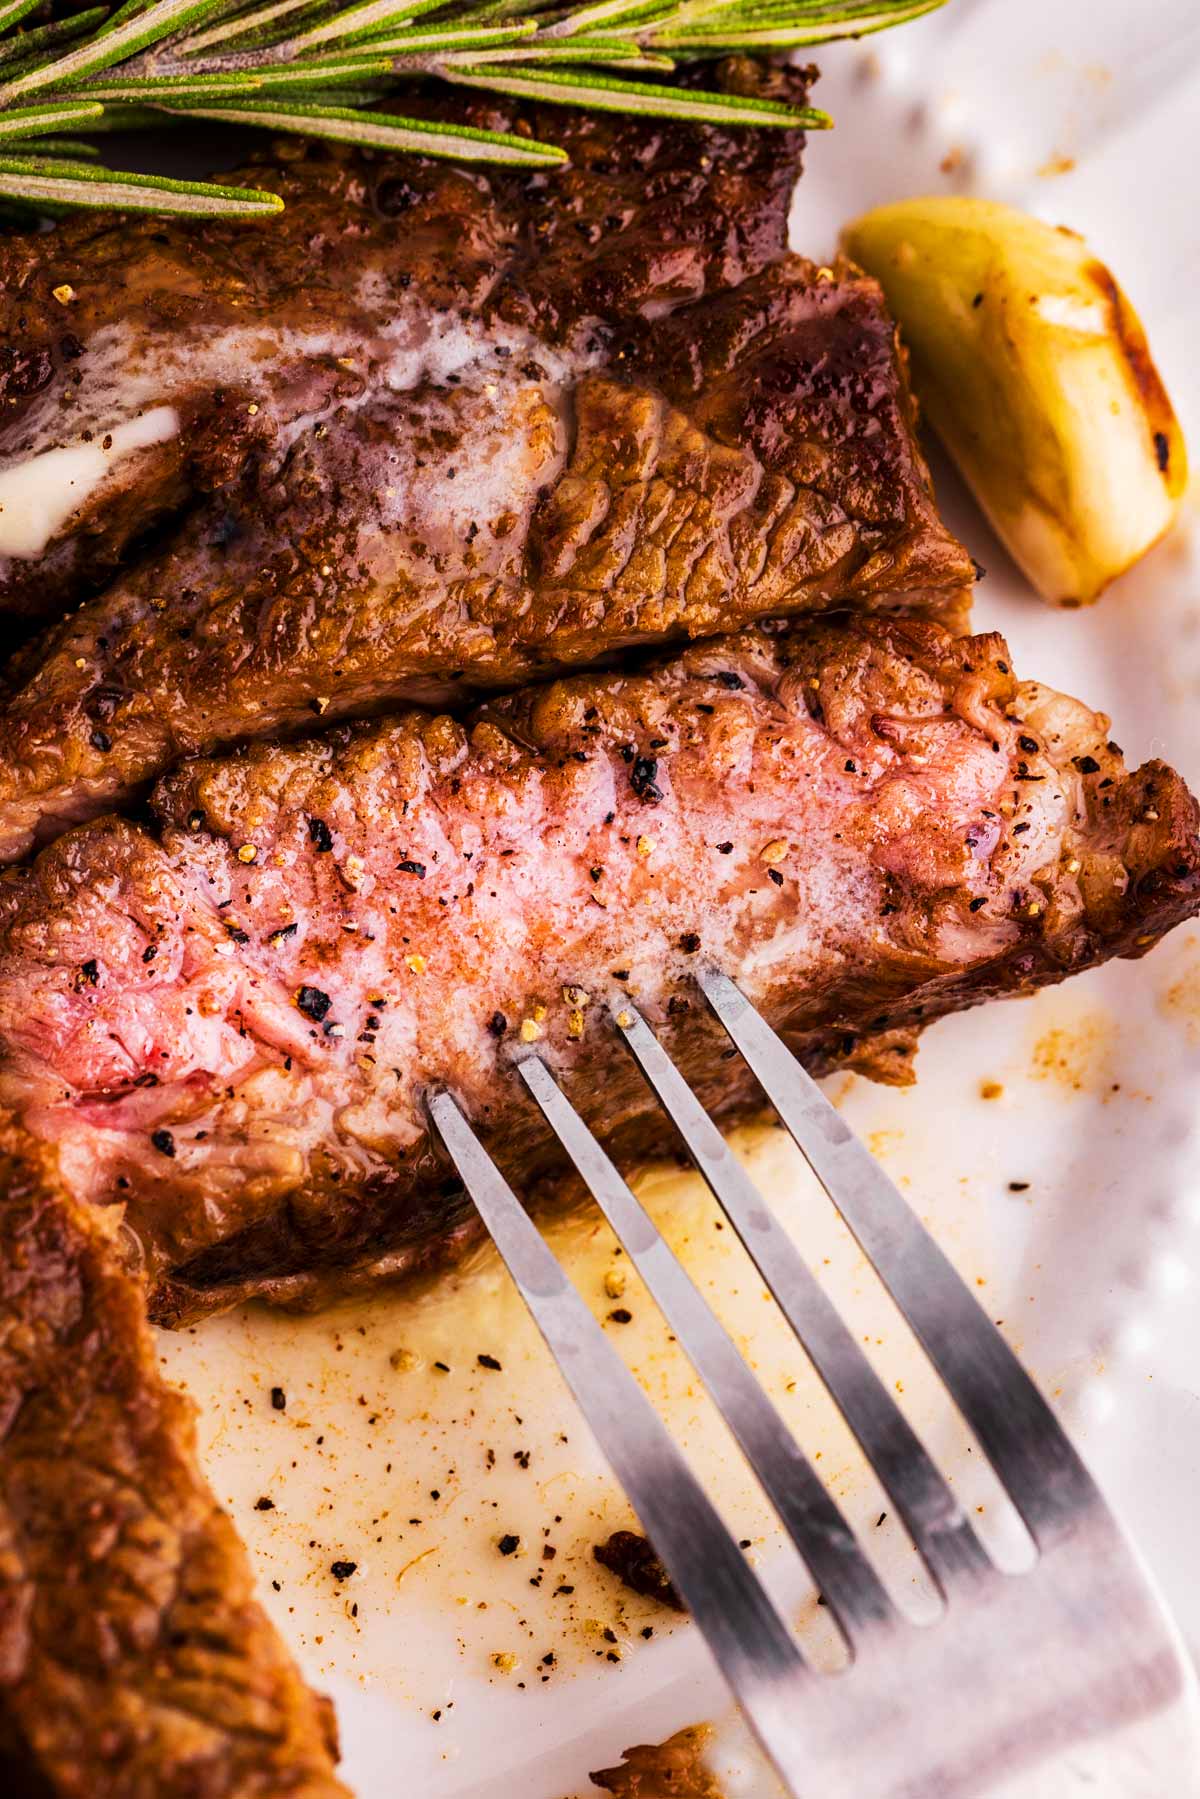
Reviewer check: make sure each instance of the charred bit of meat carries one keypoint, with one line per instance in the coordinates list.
(632, 1558)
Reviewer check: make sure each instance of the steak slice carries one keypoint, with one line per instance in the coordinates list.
(751, 456)
(111, 322)
(230, 1024)
(134, 1659)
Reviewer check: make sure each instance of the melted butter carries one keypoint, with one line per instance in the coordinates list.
(1076, 1051)
(39, 495)
(1180, 999)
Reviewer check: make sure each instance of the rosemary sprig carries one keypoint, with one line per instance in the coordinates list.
(320, 68)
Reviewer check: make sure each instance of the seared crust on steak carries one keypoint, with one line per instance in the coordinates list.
(134, 1661)
(488, 428)
(231, 1025)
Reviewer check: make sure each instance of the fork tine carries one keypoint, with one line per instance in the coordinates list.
(1018, 1432)
(752, 1646)
(935, 1521)
(814, 1523)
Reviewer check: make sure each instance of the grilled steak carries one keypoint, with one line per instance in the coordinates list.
(110, 318)
(134, 1660)
(229, 1024)
(441, 461)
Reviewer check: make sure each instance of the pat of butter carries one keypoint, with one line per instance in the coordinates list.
(38, 496)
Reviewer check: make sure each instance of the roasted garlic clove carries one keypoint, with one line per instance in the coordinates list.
(1034, 370)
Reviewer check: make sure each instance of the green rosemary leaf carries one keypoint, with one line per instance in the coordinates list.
(832, 18)
(450, 36)
(247, 22)
(607, 94)
(360, 21)
(27, 46)
(57, 148)
(150, 89)
(125, 11)
(852, 15)
(753, 28)
(32, 121)
(554, 51)
(381, 130)
(14, 10)
(298, 76)
(101, 52)
(603, 13)
(117, 117)
(334, 93)
(492, 11)
(49, 184)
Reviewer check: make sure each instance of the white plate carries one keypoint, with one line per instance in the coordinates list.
(1080, 110)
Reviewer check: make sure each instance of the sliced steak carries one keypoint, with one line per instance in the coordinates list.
(134, 1660)
(230, 1024)
(165, 333)
(439, 431)
(751, 456)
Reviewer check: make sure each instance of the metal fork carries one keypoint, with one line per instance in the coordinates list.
(1068, 1677)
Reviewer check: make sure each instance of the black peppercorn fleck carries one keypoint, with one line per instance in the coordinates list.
(643, 777)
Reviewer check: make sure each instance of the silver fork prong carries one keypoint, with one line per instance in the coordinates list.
(1018, 1432)
(935, 1520)
(813, 1521)
(752, 1646)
